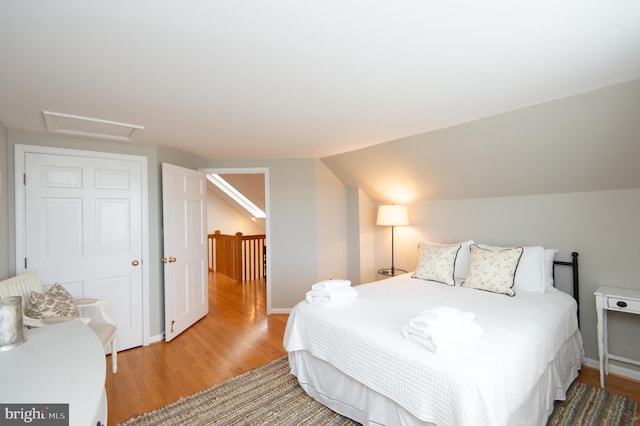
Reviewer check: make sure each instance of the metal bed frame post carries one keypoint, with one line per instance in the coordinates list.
(576, 280)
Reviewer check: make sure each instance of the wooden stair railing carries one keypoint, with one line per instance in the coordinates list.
(241, 257)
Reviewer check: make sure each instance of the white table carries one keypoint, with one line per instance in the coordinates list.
(613, 299)
(62, 363)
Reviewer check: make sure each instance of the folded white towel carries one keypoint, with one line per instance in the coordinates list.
(446, 312)
(423, 323)
(331, 297)
(443, 342)
(330, 284)
(419, 339)
(441, 317)
(440, 330)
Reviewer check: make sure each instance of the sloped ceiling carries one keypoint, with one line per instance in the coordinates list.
(251, 185)
(587, 142)
(301, 79)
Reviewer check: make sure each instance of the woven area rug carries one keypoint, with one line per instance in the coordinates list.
(269, 395)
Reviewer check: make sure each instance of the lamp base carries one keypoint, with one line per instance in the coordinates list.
(391, 272)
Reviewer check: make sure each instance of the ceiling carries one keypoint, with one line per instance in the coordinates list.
(296, 79)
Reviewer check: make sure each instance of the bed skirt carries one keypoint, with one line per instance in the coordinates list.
(352, 399)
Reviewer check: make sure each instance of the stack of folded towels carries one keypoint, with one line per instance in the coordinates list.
(331, 292)
(442, 328)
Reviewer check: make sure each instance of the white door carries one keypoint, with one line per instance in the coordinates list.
(83, 229)
(184, 203)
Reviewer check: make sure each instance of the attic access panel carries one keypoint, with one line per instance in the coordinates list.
(86, 126)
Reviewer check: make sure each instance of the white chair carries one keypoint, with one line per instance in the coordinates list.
(105, 328)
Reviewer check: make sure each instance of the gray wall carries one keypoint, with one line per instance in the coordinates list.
(298, 189)
(587, 142)
(561, 174)
(4, 203)
(602, 226)
(331, 225)
(156, 297)
(360, 234)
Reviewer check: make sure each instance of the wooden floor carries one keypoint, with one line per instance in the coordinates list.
(235, 337)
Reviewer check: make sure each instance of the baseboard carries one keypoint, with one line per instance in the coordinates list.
(615, 369)
(156, 338)
(280, 311)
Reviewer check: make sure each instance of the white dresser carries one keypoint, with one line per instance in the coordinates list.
(58, 364)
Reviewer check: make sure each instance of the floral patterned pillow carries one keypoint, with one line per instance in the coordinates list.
(493, 270)
(436, 262)
(54, 303)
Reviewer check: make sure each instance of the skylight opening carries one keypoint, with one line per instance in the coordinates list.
(225, 187)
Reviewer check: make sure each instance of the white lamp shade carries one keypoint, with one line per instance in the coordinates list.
(392, 215)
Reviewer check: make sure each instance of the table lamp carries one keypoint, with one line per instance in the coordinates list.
(392, 215)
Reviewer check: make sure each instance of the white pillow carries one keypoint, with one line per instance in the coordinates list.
(493, 270)
(436, 262)
(531, 273)
(462, 261)
(549, 257)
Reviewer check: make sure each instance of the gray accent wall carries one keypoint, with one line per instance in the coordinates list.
(587, 142)
(307, 223)
(563, 174)
(5, 269)
(602, 226)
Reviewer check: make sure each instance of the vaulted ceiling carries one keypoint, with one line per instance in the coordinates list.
(294, 79)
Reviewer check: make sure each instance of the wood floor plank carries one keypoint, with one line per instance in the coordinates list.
(236, 336)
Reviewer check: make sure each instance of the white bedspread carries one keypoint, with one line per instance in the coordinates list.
(483, 381)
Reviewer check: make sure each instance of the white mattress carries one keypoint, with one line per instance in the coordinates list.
(491, 380)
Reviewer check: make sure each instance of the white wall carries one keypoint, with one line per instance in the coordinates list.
(602, 226)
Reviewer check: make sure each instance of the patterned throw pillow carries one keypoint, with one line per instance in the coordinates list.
(493, 270)
(54, 303)
(436, 262)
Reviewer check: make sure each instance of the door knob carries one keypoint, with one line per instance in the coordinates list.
(135, 263)
(168, 260)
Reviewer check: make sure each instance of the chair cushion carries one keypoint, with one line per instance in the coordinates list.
(105, 332)
(54, 303)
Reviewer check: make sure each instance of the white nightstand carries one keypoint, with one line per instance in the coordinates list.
(613, 299)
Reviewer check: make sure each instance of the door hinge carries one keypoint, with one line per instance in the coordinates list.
(24, 179)
(25, 263)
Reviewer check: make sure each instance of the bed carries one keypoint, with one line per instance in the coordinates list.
(353, 357)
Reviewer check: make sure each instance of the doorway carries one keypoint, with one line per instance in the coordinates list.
(265, 172)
